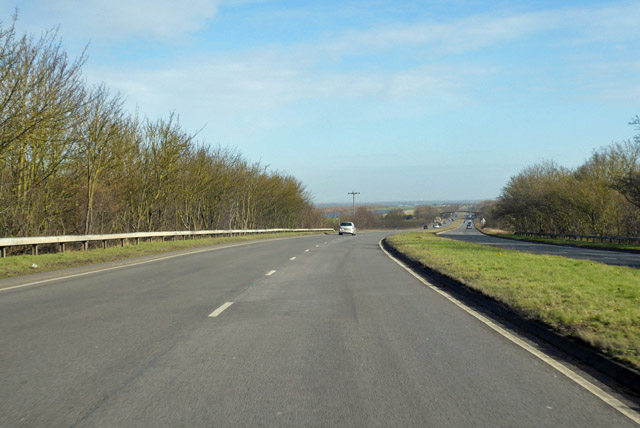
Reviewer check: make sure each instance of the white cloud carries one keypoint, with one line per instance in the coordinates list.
(122, 19)
(610, 24)
(264, 79)
(230, 86)
(616, 22)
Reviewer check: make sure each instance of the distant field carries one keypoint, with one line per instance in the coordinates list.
(597, 303)
(22, 265)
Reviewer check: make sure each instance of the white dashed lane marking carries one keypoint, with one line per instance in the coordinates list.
(220, 309)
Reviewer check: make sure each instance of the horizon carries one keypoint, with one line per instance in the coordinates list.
(398, 203)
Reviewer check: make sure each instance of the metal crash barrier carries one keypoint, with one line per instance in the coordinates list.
(60, 241)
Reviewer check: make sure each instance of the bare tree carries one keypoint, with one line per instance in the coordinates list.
(71, 159)
(99, 143)
(41, 95)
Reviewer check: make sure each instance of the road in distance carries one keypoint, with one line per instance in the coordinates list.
(617, 258)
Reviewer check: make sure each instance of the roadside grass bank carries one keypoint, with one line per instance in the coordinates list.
(558, 241)
(598, 304)
(22, 265)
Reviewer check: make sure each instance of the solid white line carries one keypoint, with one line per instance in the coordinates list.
(220, 309)
(595, 390)
(271, 272)
(292, 258)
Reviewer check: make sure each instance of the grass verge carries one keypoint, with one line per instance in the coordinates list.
(596, 303)
(22, 265)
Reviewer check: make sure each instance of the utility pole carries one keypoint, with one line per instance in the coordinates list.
(354, 202)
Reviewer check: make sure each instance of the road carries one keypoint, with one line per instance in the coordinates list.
(321, 330)
(617, 258)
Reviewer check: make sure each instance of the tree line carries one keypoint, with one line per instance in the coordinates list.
(74, 161)
(600, 197)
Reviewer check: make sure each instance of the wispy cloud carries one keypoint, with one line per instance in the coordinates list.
(470, 33)
(454, 36)
(227, 87)
(122, 19)
(268, 77)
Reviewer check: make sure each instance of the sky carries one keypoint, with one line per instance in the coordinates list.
(398, 100)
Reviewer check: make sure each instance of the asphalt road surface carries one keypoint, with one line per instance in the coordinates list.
(321, 330)
(618, 258)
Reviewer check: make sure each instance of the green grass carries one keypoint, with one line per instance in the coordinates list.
(597, 303)
(584, 244)
(22, 265)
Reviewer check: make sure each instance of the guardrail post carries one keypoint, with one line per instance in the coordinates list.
(3, 252)
(61, 247)
(34, 250)
(122, 242)
(85, 245)
(104, 244)
(137, 241)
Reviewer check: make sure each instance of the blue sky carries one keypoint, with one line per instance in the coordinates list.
(399, 100)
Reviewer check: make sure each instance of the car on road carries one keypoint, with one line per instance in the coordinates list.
(347, 227)
(469, 225)
(426, 226)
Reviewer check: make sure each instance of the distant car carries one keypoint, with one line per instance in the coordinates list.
(347, 227)
(469, 225)
(436, 226)
(426, 226)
